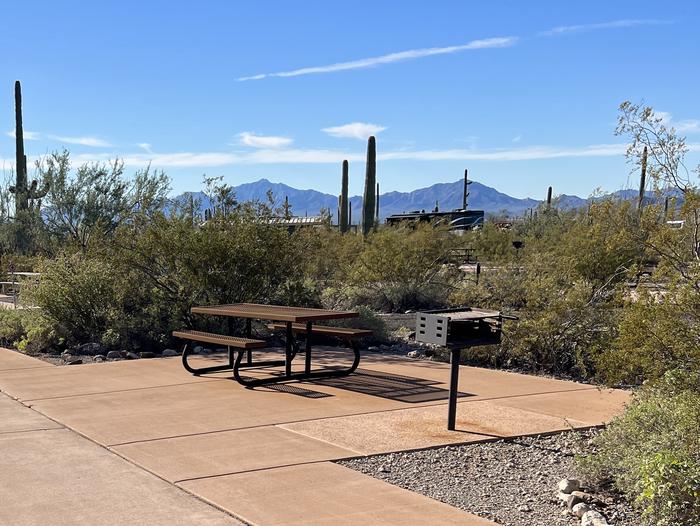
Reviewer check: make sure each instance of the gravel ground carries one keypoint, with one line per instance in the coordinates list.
(513, 483)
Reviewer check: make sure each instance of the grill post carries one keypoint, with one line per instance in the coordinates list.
(454, 387)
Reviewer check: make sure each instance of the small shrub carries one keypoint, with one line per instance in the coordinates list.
(652, 451)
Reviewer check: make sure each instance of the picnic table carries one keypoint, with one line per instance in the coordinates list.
(290, 320)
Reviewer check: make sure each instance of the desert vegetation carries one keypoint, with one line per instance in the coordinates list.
(608, 293)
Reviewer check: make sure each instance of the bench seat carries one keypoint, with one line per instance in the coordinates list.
(339, 332)
(220, 339)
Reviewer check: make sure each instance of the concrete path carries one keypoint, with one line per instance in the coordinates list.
(265, 455)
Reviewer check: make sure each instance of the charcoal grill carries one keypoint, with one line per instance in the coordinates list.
(458, 329)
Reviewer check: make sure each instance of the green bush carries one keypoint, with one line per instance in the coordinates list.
(652, 451)
(400, 268)
(28, 330)
(78, 295)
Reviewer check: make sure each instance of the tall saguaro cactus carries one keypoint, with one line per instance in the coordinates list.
(376, 208)
(642, 181)
(549, 198)
(22, 189)
(369, 197)
(344, 204)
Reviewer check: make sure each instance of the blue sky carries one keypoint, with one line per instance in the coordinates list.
(524, 94)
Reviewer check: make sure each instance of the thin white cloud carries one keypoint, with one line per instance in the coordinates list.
(354, 130)
(331, 156)
(146, 147)
(28, 135)
(92, 142)
(518, 138)
(684, 126)
(263, 141)
(497, 42)
(580, 28)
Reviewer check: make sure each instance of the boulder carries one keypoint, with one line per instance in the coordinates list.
(87, 349)
(132, 356)
(413, 354)
(593, 518)
(147, 354)
(580, 509)
(99, 358)
(170, 352)
(114, 355)
(569, 485)
(75, 362)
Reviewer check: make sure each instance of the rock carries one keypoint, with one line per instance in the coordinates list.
(525, 508)
(569, 485)
(198, 349)
(580, 509)
(75, 362)
(132, 356)
(170, 352)
(114, 355)
(373, 348)
(88, 349)
(99, 358)
(593, 518)
(413, 354)
(578, 496)
(147, 354)
(384, 469)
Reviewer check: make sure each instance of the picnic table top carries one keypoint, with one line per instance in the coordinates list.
(273, 312)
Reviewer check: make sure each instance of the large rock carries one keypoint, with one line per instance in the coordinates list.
(593, 518)
(569, 485)
(114, 355)
(170, 352)
(132, 356)
(87, 349)
(147, 354)
(580, 509)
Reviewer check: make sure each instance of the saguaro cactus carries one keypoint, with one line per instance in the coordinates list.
(344, 214)
(369, 197)
(549, 198)
(376, 209)
(22, 189)
(465, 193)
(642, 181)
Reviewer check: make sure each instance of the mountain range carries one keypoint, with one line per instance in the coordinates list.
(447, 196)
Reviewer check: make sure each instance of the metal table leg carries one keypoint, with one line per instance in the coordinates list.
(288, 351)
(454, 387)
(307, 361)
(249, 334)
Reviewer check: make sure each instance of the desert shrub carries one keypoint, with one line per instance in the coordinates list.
(658, 332)
(28, 330)
(652, 451)
(77, 295)
(12, 326)
(400, 268)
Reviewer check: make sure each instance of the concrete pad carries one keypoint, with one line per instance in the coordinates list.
(12, 360)
(594, 406)
(58, 478)
(482, 383)
(96, 378)
(427, 427)
(229, 452)
(14, 417)
(325, 494)
(116, 418)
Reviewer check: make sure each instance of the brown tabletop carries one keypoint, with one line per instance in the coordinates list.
(274, 312)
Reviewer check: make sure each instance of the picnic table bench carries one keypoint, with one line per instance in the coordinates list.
(290, 320)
